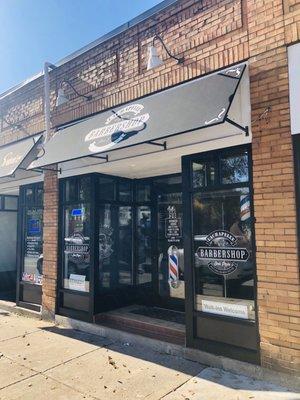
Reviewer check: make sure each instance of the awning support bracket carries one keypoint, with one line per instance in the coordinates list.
(245, 129)
(99, 157)
(164, 144)
(41, 170)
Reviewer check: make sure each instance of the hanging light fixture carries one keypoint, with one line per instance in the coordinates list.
(153, 58)
(62, 98)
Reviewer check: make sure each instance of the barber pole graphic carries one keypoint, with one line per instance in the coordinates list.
(173, 267)
(245, 207)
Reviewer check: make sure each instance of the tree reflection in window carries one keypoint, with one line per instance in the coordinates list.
(234, 169)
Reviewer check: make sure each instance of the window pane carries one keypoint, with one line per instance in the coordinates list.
(143, 192)
(204, 174)
(234, 169)
(39, 196)
(71, 190)
(224, 277)
(29, 196)
(85, 189)
(106, 246)
(107, 190)
(11, 203)
(33, 246)
(77, 248)
(125, 193)
(144, 245)
(125, 246)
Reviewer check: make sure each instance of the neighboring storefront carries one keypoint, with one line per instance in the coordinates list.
(171, 189)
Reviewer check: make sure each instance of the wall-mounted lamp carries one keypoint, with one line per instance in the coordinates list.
(61, 96)
(153, 58)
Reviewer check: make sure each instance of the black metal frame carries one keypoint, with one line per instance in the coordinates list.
(191, 315)
(35, 290)
(93, 295)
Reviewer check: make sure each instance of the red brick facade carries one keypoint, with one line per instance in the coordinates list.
(211, 34)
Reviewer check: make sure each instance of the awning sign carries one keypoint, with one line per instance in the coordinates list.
(191, 106)
(15, 155)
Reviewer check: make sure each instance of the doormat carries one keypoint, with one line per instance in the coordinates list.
(160, 313)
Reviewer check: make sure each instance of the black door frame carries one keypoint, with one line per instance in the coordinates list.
(191, 315)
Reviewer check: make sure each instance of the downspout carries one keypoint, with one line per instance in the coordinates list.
(47, 67)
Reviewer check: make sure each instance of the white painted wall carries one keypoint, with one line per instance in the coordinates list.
(294, 86)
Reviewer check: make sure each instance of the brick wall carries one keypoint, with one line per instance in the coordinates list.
(211, 34)
(50, 247)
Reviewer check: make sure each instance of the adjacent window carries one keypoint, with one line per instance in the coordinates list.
(77, 234)
(33, 234)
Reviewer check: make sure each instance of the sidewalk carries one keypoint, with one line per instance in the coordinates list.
(41, 361)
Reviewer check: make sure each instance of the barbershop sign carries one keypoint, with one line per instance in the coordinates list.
(221, 253)
(122, 125)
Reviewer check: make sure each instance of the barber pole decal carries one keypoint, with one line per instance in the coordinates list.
(173, 267)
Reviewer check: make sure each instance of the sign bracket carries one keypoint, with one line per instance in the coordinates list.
(99, 157)
(164, 144)
(245, 129)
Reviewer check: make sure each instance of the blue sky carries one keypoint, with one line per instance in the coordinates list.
(34, 31)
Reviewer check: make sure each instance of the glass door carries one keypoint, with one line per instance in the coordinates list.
(171, 288)
(219, 253)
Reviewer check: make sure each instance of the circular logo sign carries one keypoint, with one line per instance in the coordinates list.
(221, 252)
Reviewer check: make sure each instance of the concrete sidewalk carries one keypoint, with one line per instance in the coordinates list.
(41, 361)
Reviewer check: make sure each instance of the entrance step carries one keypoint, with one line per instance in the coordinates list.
(146, 321)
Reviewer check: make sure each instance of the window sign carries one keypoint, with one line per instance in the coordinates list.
(221, 252)
(33, 246)
(77, 282)
(77, 248)
(173, 225)
(228, 309)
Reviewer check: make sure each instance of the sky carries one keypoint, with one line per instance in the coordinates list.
(35, 31)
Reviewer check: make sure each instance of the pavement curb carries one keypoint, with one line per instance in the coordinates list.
(24, 312)
(201, 357)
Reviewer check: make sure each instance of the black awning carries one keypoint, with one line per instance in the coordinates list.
(191, 106)
(18, 155)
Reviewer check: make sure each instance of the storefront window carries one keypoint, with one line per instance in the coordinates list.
(33, 252)
(223, 253)
(32, 206)
(77, 257)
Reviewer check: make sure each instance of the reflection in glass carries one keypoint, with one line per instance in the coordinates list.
(125, 246)
(71, 190)
(204, 174)
(222, 221)
(234, 169)
(107, 189)
(143, 192)
(106, 245)
(11, 203)
(144, 239)
(84, 189)
(77, 247)
(125, 191)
